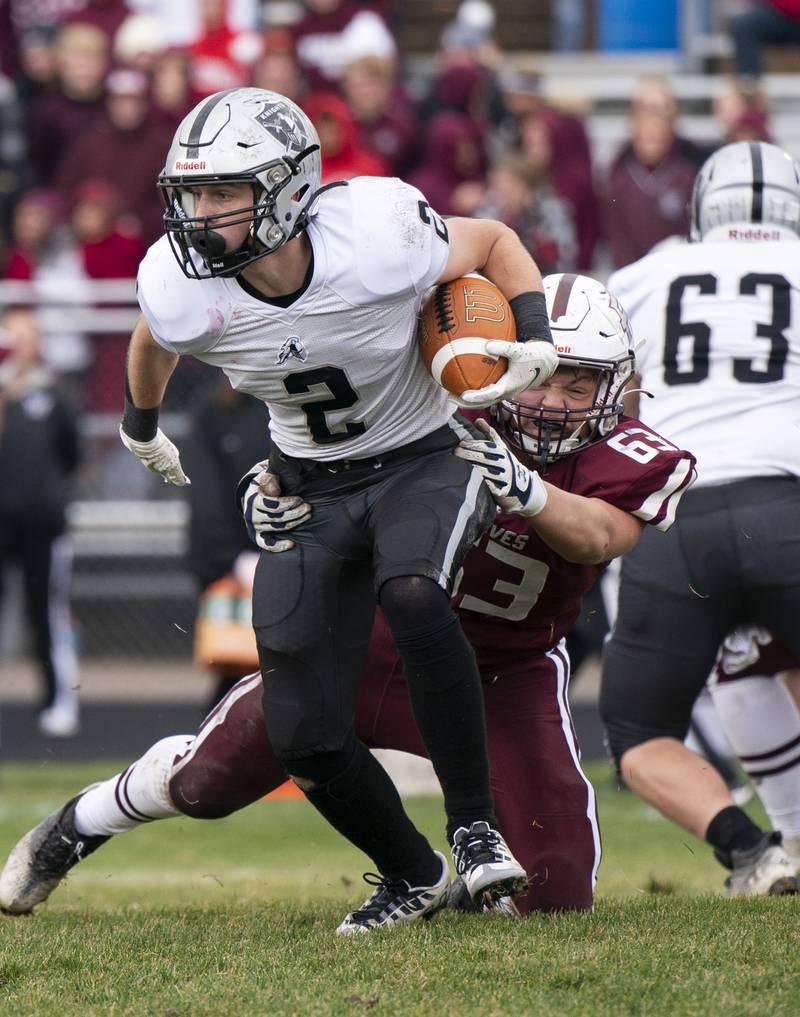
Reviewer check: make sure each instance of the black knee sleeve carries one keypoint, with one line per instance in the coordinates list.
(332, 773)
(426, 631)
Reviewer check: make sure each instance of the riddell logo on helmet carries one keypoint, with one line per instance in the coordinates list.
(753, 234)
(190, 164)
(562, 349)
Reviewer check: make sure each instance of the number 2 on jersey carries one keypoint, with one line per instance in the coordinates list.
(342, 397)
(700, 331)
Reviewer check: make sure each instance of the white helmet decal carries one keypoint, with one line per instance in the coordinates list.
(280, 119)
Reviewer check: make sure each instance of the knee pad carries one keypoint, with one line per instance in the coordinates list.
(414, 602)
(331, 773)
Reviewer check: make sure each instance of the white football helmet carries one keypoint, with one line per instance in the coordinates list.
(751, 189)
(242, 135)
(590, 331)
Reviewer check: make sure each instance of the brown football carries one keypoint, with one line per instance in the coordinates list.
(455, 320)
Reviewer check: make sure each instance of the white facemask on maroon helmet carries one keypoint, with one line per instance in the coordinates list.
(590, 332)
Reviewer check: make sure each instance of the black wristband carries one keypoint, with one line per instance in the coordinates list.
(530, 314)
(141, 425)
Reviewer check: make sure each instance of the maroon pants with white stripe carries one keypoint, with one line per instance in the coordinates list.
(544, 802)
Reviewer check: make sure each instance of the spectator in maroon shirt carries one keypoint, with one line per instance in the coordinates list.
(277, 68)
(68, 111)
(388, 125)
(170, 87)
(107, 15)
(126, 144)
(651, 179)
(343, 155)
(569, 181)
(453, 170)
(521, 195)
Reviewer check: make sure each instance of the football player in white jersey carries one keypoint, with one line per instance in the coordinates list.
(308, 298)
(721, 317)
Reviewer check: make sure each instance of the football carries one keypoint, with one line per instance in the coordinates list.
(456, 319)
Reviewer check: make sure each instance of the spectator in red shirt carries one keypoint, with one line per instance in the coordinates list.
(343, 155)
(107, 253)
(222, 57)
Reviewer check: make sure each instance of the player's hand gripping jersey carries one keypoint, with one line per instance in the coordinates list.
(377, 248)
(722, 356)
(516, 594)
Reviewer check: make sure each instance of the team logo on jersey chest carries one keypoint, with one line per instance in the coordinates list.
(292, 346)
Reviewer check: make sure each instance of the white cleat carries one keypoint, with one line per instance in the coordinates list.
(42, 859)
(489, 870)
(395, 902)
(765, 872)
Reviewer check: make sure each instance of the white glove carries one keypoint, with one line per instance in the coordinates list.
(529, 364)
(515, 488)
(267, 513)
(159, 455)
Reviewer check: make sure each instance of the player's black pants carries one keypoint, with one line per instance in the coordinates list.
(732, 557)
(396, 528)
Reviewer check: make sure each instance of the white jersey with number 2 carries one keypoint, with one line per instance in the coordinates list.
(339, 368)
(720, 321)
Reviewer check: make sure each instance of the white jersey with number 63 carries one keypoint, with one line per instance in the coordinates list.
(720, 323)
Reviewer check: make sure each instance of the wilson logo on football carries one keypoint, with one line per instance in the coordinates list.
(481, 306)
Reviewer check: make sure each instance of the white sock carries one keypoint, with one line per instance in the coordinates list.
(762, 722)
(139, 795)
(705, 718)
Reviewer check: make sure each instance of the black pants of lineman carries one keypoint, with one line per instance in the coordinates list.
(395, 529)
(731, 558)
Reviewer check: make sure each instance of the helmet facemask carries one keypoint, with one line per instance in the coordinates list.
(542, 434)
(278, 212)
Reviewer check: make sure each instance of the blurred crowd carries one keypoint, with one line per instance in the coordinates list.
(91, 92)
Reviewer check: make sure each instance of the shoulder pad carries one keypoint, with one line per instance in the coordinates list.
(389, 235)
(184, 315)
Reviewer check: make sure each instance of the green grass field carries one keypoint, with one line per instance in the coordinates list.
(236, 917)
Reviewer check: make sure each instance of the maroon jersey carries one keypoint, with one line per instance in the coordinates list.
(517, 595)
